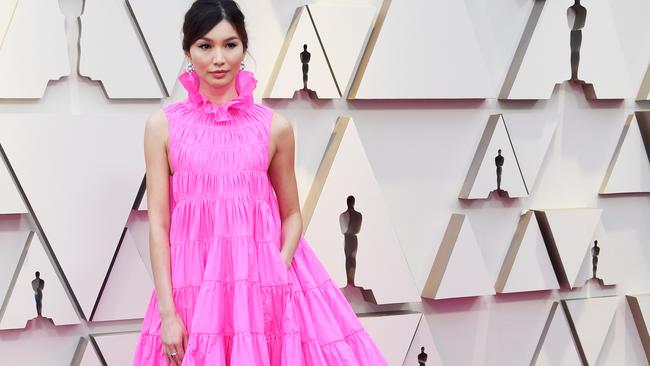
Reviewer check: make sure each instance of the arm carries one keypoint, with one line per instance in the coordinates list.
(155, 149)
(283, 179)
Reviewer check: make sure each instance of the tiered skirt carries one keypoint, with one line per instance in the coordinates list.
(242, 306)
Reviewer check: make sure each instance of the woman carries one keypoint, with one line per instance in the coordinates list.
(235, 281)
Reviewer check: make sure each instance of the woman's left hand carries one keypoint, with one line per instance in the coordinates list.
(286, 258)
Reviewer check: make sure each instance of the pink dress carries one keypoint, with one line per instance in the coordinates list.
(240, 304)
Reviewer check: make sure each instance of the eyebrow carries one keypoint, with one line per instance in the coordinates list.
(226, 40)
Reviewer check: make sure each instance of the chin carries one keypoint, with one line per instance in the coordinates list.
(220, 82)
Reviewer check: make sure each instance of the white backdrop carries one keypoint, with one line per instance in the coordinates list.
(419, 149)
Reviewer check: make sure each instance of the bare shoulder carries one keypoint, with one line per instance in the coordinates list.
(156, 125)
(280, 122)
(280, 126)
(157, 120)
(281, 134)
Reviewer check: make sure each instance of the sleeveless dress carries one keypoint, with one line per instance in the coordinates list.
(231, 287)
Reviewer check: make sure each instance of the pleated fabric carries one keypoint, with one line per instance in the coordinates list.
(240, 304)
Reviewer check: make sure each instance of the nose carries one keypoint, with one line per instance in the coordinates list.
(218, 58)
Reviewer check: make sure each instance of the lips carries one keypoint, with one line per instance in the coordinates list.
(219, 72)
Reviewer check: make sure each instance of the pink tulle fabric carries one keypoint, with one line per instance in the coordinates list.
(240, 304)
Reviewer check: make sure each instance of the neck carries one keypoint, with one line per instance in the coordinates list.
(218, 95)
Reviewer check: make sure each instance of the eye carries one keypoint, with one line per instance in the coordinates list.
(231, 45)
(204, 44)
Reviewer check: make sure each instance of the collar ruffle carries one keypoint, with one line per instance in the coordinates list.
(245, 83)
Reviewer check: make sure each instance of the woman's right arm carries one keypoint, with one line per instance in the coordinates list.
(157, 172)
(156, 137)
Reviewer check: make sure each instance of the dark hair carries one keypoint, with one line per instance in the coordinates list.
(203, 15)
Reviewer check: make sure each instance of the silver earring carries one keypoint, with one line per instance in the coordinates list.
(189, 68)
(242, 66)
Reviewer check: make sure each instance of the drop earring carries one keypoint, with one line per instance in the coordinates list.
(189, 68)
(242, 66)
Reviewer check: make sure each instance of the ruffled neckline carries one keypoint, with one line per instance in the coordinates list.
(245, 83)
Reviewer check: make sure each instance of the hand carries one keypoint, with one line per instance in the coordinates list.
(174, 338)
(286, 258)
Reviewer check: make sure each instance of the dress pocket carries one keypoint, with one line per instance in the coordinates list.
(278, 255)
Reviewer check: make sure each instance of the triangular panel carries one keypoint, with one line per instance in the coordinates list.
(143, 206)
(12, 246)
(423, 338)
(10, 200)
(380, 263)
(38, 346)
(21, 306)
(90, 357)
(629, 169)
(602, 64)
(352, 23)
(438, 43)
(459, 268)
(7, 9)
(128, 288)
(393, 345)
(640, 309)
(90, 187)
(568, 234)
(18, 56)
(482, 176)
(555, 346)
(140, 203)
(544, 54)
(591, 320)
(118, 348)
(644, 89)
(533, 133)
(527, 266)
(138, 233)
(287, 74)
(162, 41)
(102, 57)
